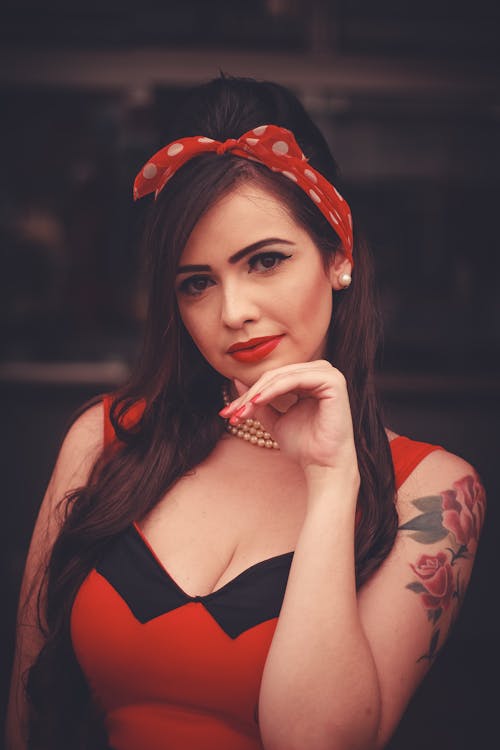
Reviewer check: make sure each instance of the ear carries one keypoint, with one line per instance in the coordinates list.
(339, 264)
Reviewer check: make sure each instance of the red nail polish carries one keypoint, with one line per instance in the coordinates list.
(240, 411)
(256, 398)
(224, 411)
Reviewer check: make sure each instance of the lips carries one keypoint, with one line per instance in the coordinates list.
(254, 350)
(249, 344)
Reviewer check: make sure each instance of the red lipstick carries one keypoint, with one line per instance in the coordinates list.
(254, 350)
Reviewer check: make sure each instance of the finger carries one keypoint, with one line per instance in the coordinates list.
(312, 383)
(241, 388)
(274, 375)
(265, 414)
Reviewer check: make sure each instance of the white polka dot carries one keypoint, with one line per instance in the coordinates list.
(290, 176)
(311, 175)
(174, 149)
(333, 218)
(252, 141)
(150, 171)
(280, 147)
(337, 194)
(203, 139)
(260, 130)
(314, 196)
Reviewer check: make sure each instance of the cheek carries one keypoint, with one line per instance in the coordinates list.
(312, 302)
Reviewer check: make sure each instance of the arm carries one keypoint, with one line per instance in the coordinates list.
(410, 604)
(341, 670)
(79, 450)
(342, 666)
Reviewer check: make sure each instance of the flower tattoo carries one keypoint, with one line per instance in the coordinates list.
(435, 583)
(463, 510)
(456, 514)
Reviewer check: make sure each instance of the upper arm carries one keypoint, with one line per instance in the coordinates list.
(408, 606)
(81, 446)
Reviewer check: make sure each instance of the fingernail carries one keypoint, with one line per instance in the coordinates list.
(224, 411)
(256, 398)
(235, 418)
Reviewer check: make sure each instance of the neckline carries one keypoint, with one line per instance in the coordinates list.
(203, 597)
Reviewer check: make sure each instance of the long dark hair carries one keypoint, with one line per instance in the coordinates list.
(180, 426)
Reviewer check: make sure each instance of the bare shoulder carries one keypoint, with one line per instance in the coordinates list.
(88, 428)
(80, 448)
(445, 475)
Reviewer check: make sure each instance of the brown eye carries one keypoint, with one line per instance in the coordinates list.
(267, 261)
(194, 285)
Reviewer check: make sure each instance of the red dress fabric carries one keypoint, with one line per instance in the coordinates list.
(179, 672)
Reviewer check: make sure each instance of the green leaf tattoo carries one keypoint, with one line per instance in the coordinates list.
(428, 504)
(428, 527)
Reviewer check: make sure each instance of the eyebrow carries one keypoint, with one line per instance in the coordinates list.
(239, 255)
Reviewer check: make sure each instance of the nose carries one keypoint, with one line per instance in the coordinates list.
(237, 306)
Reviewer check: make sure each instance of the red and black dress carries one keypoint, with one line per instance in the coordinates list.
(179, 672)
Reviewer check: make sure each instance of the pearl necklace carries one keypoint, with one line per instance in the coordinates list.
(250, 430)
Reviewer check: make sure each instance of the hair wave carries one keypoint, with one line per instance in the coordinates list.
(182, 392)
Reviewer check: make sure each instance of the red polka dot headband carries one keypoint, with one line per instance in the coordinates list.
(273, 146)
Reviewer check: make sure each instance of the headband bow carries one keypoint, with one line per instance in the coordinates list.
(273, 146)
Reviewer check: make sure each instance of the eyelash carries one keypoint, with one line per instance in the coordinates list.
(185, 288)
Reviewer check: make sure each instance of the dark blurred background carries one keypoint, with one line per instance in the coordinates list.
(408, 97)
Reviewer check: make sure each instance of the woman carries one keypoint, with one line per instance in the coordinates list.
(218, 583)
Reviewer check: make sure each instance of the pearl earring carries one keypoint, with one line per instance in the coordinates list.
(345, 279)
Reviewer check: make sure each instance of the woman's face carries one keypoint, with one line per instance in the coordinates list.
(252, 288)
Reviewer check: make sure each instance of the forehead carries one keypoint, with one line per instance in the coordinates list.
(247, 214)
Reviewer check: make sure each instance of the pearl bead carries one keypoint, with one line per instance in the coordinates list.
(250, 429)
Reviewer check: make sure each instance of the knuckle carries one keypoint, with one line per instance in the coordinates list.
(339, 376)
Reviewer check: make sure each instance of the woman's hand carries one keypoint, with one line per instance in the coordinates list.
(306, 408)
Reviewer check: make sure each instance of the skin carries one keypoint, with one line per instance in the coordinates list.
(342, 676)
(280, 289)
(378, 658)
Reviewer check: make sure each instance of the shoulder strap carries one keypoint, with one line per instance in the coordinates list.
(131, 417)
(109, 433)
(407, 454)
